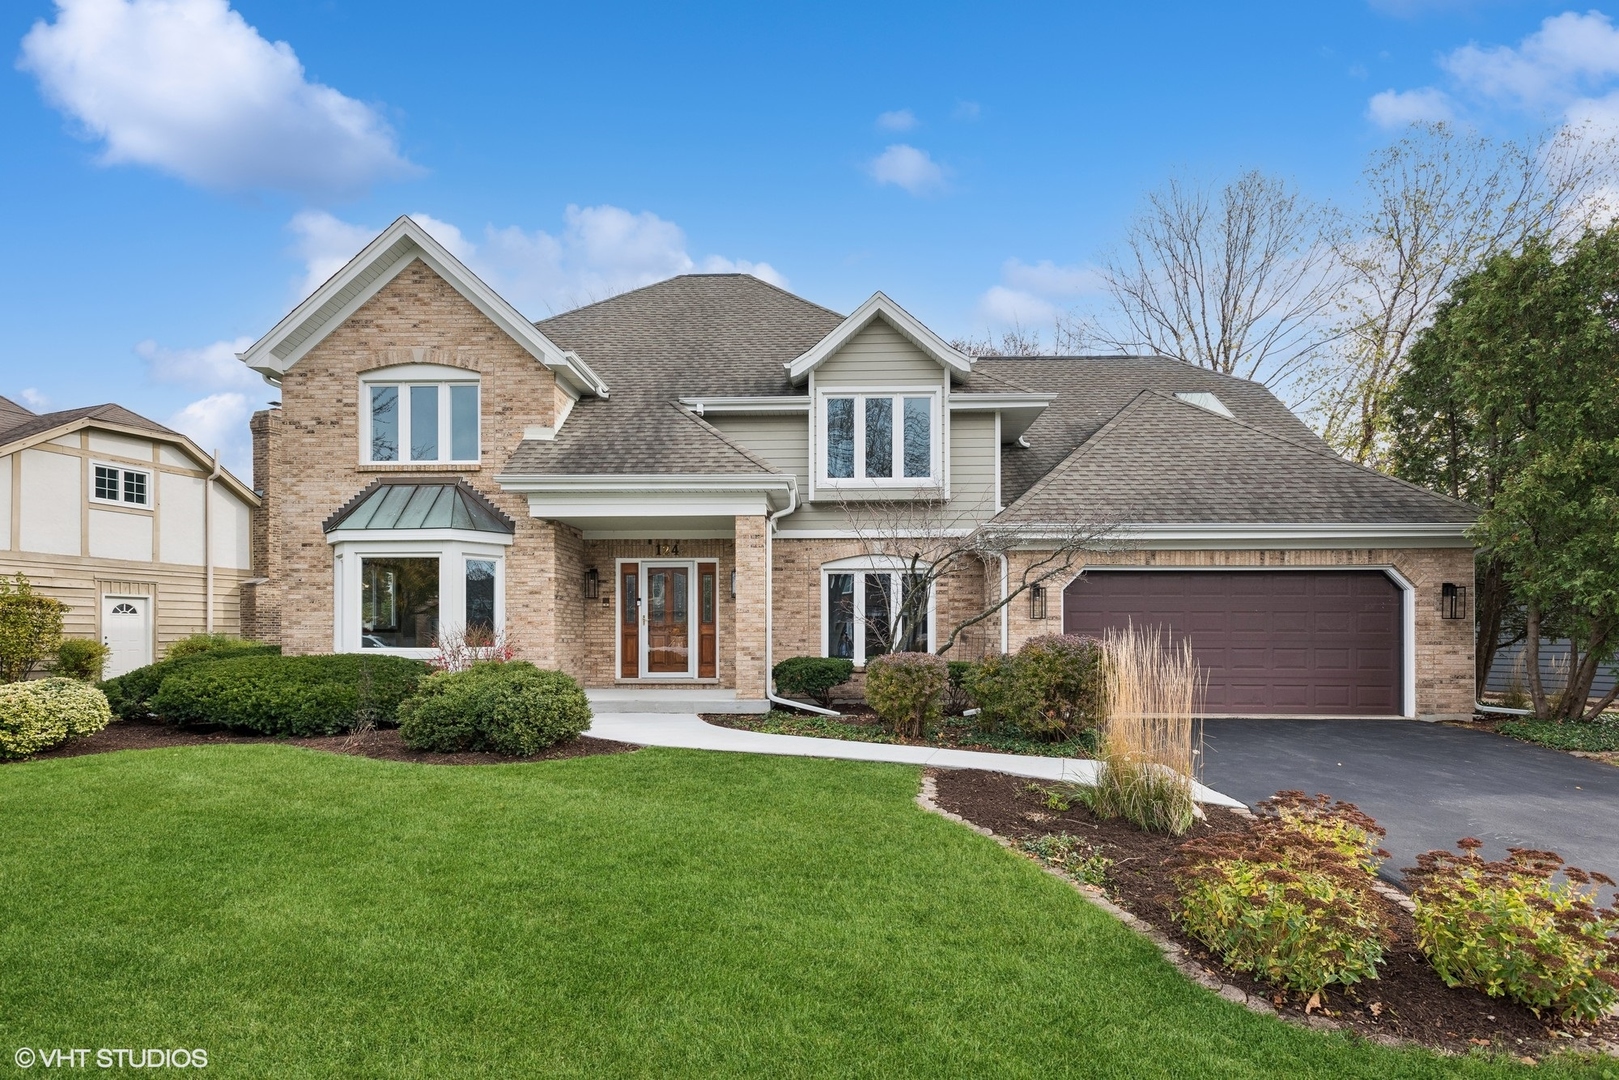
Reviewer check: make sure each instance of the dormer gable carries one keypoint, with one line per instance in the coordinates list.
(378, 263)
(880, 308)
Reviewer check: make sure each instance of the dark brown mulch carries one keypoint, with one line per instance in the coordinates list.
(1412, 1002)
(383, 743)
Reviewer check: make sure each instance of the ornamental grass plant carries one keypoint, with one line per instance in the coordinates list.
(1511, 929)
(1149, 747)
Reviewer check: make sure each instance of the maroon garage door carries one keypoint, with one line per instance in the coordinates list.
(1292, 642)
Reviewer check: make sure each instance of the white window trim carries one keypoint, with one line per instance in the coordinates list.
(403, 377)
(452, 555)
(936, 439)
(151, 493)
(877, 564)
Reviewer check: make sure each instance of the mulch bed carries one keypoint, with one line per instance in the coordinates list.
(1411, 1002)
(382, 743)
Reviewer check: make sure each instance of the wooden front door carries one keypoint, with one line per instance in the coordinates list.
(668, 620)
(707, 620)
(629, 620)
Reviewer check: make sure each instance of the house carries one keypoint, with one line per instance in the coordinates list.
(667, 489)
(139, 532)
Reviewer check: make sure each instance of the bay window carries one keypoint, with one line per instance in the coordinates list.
(882, 439)
(420, 421)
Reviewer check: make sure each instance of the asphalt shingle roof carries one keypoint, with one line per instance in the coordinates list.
(713, 334)
(1161, 460)
(18, 423)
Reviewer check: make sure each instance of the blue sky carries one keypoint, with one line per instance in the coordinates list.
(178, 171)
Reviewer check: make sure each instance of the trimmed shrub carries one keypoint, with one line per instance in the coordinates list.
(811, 676)
(509, 708)
(80, 658)
(30, 628)
(1343, 826)
(131, 693)
(907, 690)
(287, 695)
(1291, 909)
(1054, 687)
(38, 715)
(1508, 929)
(198, 644)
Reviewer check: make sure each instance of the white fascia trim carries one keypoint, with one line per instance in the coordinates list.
(900, 319)
(986, 402)
(651, 495)
(1308, 534)
(758, 405)
(463, 537)
(260, 356)
(853, 534)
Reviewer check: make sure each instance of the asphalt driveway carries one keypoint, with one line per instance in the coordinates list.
(1428, 784)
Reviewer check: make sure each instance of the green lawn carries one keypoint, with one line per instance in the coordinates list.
(661, 913)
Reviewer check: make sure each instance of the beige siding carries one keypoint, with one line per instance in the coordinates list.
(879, 356)
(6, 465)
(973, 464)
(232, 530)
(178, 592)
(52, 502)
(783, 441)
(179, 459)
(107, 443)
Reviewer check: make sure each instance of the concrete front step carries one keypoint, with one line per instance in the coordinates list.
(698, 699)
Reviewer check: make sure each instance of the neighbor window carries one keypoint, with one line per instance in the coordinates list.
(119, 485)
(881, 438)
(872, 612)
(426, 422)
(399, 603)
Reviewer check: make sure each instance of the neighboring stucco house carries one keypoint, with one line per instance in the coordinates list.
(658, 490)
(140, 533)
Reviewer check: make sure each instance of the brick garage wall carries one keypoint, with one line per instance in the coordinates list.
(598, 620)
(798, 601)
(311, 451)
(1444, 647)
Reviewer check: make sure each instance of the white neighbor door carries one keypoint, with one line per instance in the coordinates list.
(126, 630)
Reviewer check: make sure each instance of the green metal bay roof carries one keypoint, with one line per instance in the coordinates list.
(410, 504)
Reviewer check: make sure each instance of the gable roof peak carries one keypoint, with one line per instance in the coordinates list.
(880, 306)
(378, 263)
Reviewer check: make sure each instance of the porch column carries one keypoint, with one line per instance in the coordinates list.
(752, 583)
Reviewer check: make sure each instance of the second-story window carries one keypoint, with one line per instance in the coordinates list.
(114, 484)
(421, 421)
(878, 438)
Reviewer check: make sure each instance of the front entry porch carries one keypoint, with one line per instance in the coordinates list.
(670, 701)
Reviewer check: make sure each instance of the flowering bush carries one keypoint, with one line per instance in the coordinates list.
(459, 649)
(38, 715)
(1287, 906)
(1507, 928)
(907, 690)
(1342, 826)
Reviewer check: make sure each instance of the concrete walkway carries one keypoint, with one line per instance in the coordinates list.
(691, 733)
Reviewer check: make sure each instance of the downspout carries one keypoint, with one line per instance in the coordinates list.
(770, 607)
(208, 543)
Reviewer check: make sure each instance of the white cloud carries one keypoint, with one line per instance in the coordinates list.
(1003, 306)
(219, 422)
(1047, 278)
(212, 367)
(189, 87)
(1397, 108)
(898, 120)
(1569, 53)
(1032, 296)
(35, 400)
(967, 111)
(907, 167)
(600, 251)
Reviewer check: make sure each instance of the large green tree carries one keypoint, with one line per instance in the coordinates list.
(1511, 400)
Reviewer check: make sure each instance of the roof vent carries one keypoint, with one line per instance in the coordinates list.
(1205, 400)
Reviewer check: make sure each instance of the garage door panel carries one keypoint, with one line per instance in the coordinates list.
(1293, 642)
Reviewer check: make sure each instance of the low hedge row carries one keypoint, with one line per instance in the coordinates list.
(286, 695)
(38, 715)
(130, 695)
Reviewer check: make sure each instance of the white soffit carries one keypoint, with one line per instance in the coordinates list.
(378, 263)
(880, 306)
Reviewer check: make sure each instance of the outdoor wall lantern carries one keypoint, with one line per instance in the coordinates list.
(593, 584)
(733, 584)
(1037, 601)
(1452, 601)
